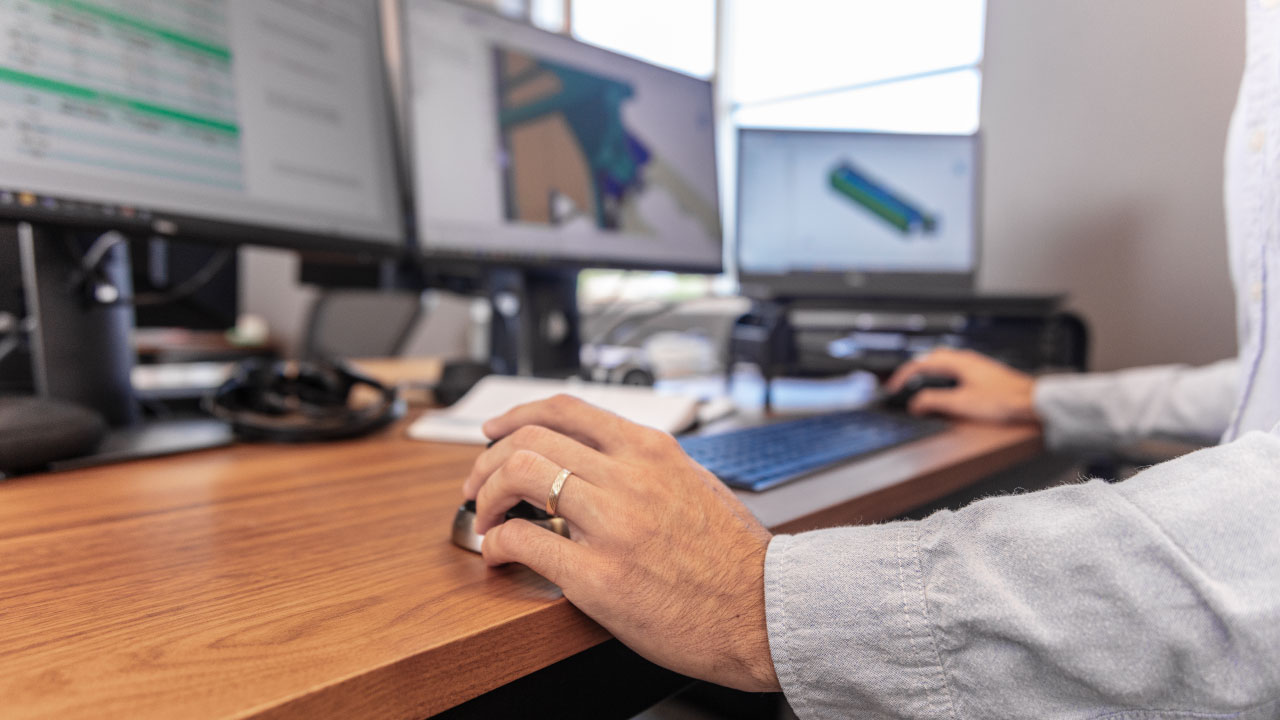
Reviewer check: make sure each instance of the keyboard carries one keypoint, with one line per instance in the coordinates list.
(761, 457)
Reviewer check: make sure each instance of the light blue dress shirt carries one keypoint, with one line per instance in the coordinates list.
(1154, 598)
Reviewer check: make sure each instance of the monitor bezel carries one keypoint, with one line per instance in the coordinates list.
(854, 283)
(145, 221)
(487, 258)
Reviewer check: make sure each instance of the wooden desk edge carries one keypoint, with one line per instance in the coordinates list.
(893, 500)
(559, 631)
(462, 670)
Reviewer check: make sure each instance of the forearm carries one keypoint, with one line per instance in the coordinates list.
(1108, 409)
(1156, 593)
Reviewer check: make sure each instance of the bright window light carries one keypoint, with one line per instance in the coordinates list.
(548, 14)
(679, 34)
(937, 104)
(783, 49)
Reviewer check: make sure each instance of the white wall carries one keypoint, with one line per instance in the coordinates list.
(269, 288)
(1104, 123)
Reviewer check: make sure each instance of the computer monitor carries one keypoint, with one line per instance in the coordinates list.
(262, 121)
(230, 121)
(856, 213)
(530, 148)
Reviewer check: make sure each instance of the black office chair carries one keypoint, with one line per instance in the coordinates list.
(361, 324)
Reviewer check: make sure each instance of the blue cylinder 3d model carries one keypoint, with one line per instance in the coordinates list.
(880, 201)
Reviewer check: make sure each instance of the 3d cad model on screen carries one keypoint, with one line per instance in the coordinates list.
(870, 195)
(570, 157)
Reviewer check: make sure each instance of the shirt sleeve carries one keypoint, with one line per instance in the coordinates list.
(1158, 596)
(1109, 409)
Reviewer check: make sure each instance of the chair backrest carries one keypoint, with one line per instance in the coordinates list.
(361, 324)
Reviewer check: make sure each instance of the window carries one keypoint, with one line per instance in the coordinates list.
(679, 34)
(905, 65)
(549, 14)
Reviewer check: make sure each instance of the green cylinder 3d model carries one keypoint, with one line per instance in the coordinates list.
(880, 201)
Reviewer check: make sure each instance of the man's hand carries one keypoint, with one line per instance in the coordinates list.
(662, 554)
(985, 389)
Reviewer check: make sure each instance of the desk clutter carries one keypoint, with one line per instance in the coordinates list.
(302, 402)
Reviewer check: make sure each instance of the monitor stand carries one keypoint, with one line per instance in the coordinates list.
(82, 350)
(535, 327)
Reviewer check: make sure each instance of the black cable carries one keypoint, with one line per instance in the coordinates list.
(98, 251)
(188, 287)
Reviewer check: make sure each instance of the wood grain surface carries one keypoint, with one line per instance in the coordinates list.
(294, 581)
(309, 581)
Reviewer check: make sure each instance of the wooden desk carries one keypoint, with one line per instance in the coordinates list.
(319, 581)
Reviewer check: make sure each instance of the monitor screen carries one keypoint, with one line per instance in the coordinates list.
(199, 117)
(529, 146)
(857, 204)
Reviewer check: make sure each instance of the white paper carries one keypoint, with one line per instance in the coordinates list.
(496, 394)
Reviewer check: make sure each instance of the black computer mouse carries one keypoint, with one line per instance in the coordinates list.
(902, 398)
(464, 532)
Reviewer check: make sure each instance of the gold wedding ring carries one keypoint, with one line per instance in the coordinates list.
(553, 497)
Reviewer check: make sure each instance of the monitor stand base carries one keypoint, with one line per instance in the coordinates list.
(153, 439)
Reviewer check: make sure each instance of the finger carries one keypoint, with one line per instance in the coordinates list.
(939, 362)
(939, 401)
(558, 448)
(905, 372)
(566, 415)
(528, 476)
(546, 553)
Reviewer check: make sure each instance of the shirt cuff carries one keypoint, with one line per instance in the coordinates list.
(1070, 411)
(849, 629)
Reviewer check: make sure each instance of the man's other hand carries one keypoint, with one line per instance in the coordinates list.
(662, 554)
(985, 390)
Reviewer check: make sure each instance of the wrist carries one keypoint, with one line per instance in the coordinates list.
(755, 659)
(1024, 404)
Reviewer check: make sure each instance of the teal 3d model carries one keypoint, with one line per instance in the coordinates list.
(880, 201)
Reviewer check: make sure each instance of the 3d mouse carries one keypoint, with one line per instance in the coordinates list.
(902, 398)
(464, 528)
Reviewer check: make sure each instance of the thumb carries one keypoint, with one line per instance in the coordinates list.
(937, 400)
(542, 551)
(938, 362)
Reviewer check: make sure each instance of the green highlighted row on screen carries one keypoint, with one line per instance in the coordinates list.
(186, 42)
(79, 92)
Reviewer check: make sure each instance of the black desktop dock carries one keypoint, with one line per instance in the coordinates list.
(831, 336)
